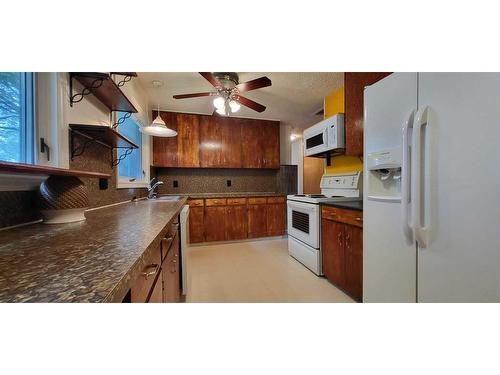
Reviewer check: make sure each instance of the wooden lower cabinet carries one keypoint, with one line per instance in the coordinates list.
(221, 219)
(160, 281)
(236, 222)
(215, 217)
(332, 234)
(276, 221)
(257, 220)
(342, 250)
(353, 251)
(171, 275)
(196, 224)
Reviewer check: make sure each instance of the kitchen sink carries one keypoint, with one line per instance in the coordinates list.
(168, 198)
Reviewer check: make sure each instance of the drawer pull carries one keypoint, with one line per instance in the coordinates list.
(359, 219)
(155, 268)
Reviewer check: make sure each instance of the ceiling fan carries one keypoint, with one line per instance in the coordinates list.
(228, 98)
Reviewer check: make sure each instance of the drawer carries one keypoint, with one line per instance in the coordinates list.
(276, 200)
(257, 200)
(352, 217)
(215, 202)
(195, 202)
(236, 201)
(150, 268)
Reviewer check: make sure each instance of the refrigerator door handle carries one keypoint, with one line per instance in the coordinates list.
(405, 179)
(420, 201)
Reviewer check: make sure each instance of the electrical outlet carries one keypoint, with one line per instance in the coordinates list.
(176, 183)
(228, 182)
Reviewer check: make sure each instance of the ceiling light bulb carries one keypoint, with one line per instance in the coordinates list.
(219, 102)
(235, 106)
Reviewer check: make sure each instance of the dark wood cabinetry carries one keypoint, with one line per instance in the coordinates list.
(217, 142)
(236, 222)
(159, 280)
(342, 249)
(354, 84)
(221, 219)
(215, 217)
(257, 220)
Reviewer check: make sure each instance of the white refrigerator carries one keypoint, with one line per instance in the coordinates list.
(432, 188)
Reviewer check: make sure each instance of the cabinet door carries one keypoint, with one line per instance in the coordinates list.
(251, 147)
(215, 217)
(276, 219)
(165, 148)
(270, 144)
(236, 222)
(157, 293)
(257, 220)
(210, 142)
(230, 130)
(196, 224)
(188, 140)
(354, 261)
(332, 247)
(171, 275)
(354, 85)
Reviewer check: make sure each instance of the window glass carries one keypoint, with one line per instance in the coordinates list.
(130, 167)
(16, 117)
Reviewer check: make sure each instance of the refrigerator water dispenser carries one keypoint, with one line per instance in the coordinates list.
(384, 175)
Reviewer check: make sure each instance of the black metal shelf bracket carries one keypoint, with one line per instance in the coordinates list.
(121, 120)
(115, 162)
(77, 150)
(78, 96)
(126, 78)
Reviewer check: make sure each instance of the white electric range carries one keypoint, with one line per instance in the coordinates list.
(304, 216)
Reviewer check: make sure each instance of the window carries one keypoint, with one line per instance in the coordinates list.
(131, 170)
(16, 117)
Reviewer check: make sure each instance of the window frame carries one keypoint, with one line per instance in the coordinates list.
(28, 113)
(125, 183)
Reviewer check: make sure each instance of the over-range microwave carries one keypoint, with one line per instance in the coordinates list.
(326, 135)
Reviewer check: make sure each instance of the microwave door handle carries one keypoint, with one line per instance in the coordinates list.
(405, 179)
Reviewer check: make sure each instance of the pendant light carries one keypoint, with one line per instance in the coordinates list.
(158, 128)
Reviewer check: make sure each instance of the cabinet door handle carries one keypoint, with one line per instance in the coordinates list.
(359, 219)
(155, 268)
(348, 242)
(339, 238)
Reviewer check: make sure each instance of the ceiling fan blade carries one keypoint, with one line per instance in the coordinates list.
(250, 103)
(211, 78)
(195, 95)
(254, 84)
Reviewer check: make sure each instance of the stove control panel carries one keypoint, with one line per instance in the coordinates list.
(340, 181)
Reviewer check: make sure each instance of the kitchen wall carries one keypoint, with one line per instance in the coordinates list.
(212, 180)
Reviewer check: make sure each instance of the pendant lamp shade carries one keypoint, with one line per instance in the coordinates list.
(158, 128)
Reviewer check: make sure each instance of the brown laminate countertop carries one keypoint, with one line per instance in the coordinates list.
(350, 205)
(228, 195)
(89, 261)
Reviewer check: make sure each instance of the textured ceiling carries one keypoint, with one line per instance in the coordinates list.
(293, 98)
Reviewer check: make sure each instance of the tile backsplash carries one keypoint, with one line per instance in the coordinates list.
(212, 180)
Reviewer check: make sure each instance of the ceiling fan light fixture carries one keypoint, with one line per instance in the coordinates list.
(221, 111)
(219, 102)
(234, 105)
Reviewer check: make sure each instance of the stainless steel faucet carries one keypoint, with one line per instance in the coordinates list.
(152, 188)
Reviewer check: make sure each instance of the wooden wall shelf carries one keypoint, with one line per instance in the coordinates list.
(102, 86)
(18, 168)
(103, 135)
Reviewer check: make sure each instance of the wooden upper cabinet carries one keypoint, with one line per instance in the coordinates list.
(210, 142)
(217, 142)
(354, 85)
(165, 152)
(260, 144)
(270, 138)
(230, 129)
(188, 140)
